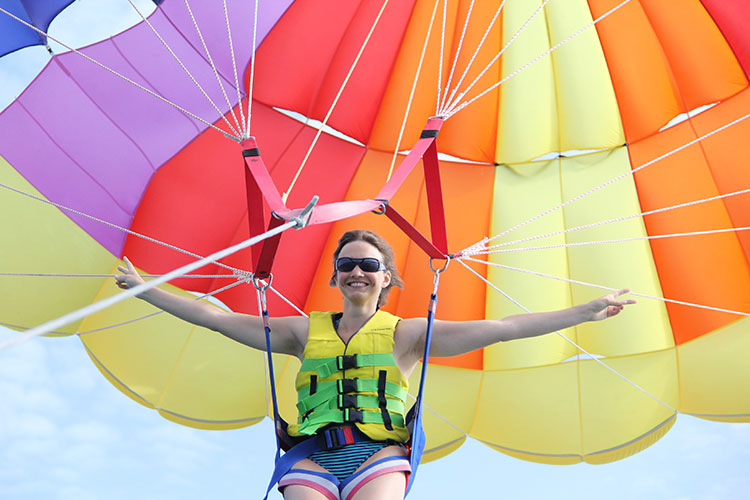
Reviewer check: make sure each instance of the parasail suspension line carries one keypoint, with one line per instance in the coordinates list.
(115, 226)
(592, 285)
(246, 134)
(440, 61)
(581, 349)
(335, 101)
(132, 292)
(445, 104)
(213, 65)
(622, 176)
(123, 77)
(234, 68)
(620, 240)
(203, 296)
(413, 89)
(184, 68)
(441, 99)
(455, 109)
(481, 248)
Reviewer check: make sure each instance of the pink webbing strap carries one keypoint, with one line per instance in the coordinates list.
(259, 185)
(428, 137)
(426, 149)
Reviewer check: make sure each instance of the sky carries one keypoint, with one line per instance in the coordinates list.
(65, 432)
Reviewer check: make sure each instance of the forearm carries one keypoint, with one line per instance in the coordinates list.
(459, 337)
(191, 310)
(522, 326)
(452, 338)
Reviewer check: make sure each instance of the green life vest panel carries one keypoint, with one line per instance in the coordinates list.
(357, 383)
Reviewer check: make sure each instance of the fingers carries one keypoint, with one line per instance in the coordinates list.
(129, 264)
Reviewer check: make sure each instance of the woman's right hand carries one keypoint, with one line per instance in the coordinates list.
(129, 277)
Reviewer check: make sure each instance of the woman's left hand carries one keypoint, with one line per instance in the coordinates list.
(609, 305)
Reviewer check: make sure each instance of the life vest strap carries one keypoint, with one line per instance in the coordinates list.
(328, 366)
(328, 390)
(346, 416)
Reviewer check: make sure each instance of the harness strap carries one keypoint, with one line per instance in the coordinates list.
(418, 438)
(330, 439)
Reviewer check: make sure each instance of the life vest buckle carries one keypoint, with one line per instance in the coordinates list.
(352, 416)
(347, 385)
(347, 401)
(346, 362)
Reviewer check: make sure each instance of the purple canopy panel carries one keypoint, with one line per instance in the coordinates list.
(89, 140)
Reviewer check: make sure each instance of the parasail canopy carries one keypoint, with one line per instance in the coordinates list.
(605, 149)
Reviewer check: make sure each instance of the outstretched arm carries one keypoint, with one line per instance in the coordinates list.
(246, 329)
(451, 338)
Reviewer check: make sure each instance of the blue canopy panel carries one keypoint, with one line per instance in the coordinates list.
(15, 35)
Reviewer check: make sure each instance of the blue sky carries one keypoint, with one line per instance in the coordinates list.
(65, 432)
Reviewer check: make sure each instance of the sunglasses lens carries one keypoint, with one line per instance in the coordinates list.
(345, 264)
(368, 264)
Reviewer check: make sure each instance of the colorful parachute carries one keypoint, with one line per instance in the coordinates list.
(613, 155)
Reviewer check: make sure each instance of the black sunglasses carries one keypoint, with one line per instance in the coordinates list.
(367, 264)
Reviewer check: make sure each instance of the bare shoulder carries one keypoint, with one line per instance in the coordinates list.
(409, 332)
(294, 328)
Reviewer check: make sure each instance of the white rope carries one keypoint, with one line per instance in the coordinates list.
(184, 68)
(453, 99)
(234, 68)
(413, 89)
(619, 240)
(292, 304)
(335, 101)
(115, 226)
(132, 292)
(201, 297)
(47, 275)
(453, 110)
(213, 67)
(622, 176)
(456, 56)
(581, 349)
(123, 77)
(252, 73)
(440, 61)
(478, 248)
(592, 285)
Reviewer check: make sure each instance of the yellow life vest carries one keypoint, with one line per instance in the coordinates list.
(358, 382)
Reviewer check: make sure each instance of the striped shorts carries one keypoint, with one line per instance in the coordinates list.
(341, 481)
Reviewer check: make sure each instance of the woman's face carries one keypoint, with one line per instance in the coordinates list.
(359, 286)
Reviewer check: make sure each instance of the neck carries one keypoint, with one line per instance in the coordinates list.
(355, 315)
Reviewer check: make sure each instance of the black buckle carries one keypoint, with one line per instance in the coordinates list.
(347, 401)
(346, 385)
(346, 362)
(352, 416)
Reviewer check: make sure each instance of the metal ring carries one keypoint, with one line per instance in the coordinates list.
(438, 271)
(259, 286)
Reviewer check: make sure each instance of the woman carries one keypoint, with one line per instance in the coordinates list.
(364, 271)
